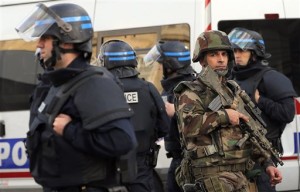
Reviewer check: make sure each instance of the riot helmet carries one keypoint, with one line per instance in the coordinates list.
(66, 23)
(210, 41)
(245, 39)
(69, 23)
(173, 55)
(117, 53)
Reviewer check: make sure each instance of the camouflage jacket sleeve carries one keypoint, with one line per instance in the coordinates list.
(194, 118)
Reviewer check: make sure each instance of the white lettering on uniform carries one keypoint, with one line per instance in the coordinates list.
(4, 151)
(19, 161)
(131, 97)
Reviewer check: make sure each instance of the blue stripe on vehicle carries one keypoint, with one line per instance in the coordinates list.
(296, 142)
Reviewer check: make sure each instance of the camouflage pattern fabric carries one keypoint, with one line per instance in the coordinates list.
(207, 136)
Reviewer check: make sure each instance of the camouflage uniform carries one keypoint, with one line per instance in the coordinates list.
(211, 157)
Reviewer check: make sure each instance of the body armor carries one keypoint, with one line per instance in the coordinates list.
(44, 147)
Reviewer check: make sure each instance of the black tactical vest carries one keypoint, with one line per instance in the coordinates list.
(251, 84)
(140, 99)
(44, 147)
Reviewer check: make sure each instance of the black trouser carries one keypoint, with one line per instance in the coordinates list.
(144, 180)
(171, 182)
(263, 181)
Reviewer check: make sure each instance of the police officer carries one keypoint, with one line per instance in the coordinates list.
(77, 149)
(41, 90)
(176, 64)
(150, 120)
(210, 110)
(270, 90)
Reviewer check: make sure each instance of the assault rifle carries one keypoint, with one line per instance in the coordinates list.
(256, 131)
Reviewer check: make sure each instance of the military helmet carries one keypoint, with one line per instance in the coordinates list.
(245, 39)
(69, 23)
(212, 40)
(117, 53)
(174, 56)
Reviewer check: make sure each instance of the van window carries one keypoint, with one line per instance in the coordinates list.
(282, 40)
(143, 39)
(17, 75)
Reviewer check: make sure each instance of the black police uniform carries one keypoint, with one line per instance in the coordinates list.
(83, 159)
(150, 123)
(39, 94)
(172, 142)
(276, 103)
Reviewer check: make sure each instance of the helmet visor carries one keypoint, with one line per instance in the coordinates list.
(242, 39)
(151, 56)
(36, 23)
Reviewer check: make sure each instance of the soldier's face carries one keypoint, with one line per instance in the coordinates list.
(242, 56)
(217, 60)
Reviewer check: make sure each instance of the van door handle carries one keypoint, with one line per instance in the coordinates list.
(2, 129)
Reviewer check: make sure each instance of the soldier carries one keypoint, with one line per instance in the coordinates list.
(74, 142)
(217, 151)
(270, 90)
(150, 119)
(176, 63)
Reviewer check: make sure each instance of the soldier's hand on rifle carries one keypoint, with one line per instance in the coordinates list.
(60, 123)
(274, 174)
(235, 116)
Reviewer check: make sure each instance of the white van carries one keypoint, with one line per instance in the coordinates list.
(142, 23)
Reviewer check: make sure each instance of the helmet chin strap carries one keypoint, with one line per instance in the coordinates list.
(55, 56)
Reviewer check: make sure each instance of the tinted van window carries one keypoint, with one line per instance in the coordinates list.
(282, 40)
(17, 79)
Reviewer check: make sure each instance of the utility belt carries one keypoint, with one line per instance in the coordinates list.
(84, 188)
(206, 179)
(210, 150)
(210, 184)
(206, 160)
(199, 172)
(201, 151)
